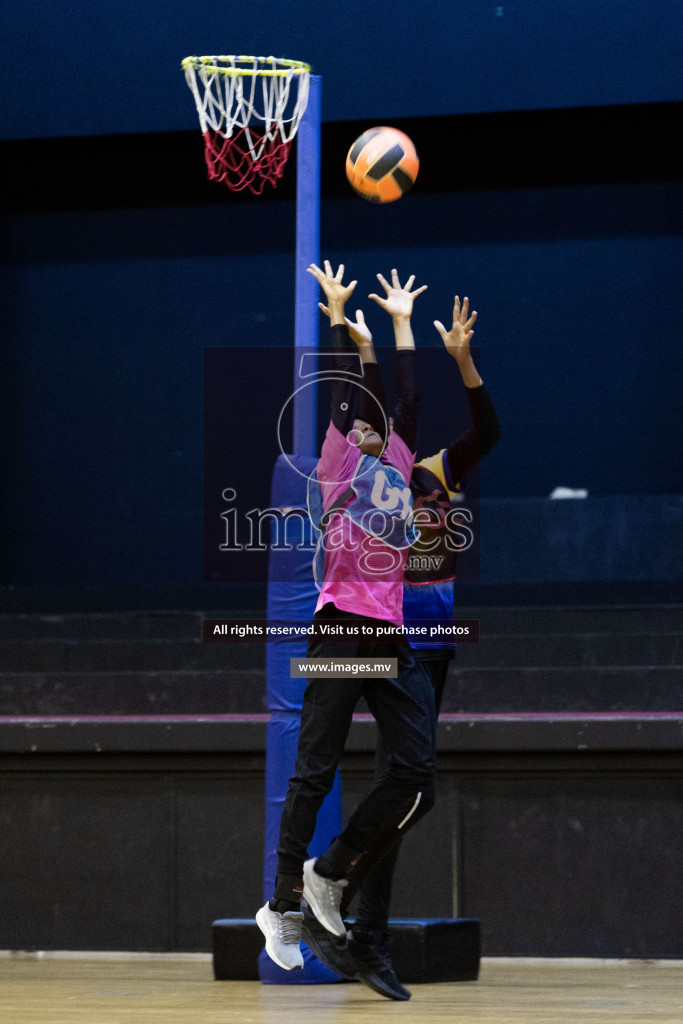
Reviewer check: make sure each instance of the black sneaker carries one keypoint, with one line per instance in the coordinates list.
(329, 949)
(375, 968)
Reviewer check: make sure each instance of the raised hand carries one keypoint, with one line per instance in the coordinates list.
(335, 290)
(457, 340)
(359, 332)
(399, 299)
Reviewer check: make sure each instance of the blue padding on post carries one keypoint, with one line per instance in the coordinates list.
(292, 595)
(284, 693)
(289, 481)
(281, 747)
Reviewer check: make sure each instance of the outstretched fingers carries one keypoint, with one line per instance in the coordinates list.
(332, 283)
(397, 286)
(458, 338)
(326, 274)
(399, 299)
(385, 284)
(461, 313)
(441, 329)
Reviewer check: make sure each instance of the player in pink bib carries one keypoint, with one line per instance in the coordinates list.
(363, 474)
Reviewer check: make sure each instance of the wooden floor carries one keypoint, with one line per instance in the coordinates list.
(53, 989)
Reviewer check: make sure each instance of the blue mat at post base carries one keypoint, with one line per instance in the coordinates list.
(292, 596)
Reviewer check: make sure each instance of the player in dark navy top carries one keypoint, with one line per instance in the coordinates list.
(437, 483)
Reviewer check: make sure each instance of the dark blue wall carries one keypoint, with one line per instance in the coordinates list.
(109, 314)
(106, 311)
(81, 69)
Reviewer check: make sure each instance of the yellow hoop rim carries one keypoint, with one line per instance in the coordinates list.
(296, 67)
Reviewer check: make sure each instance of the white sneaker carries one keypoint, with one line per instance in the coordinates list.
(283, 935)
(324, 898)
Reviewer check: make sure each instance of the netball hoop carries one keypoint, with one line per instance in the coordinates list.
(249, 111)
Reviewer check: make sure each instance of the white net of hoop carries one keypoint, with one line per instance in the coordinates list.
(249, 111)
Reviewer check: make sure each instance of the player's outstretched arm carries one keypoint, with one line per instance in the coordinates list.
(398, 303)
(343, 392)
(371, 402)
(457, 341)
(470, 448)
